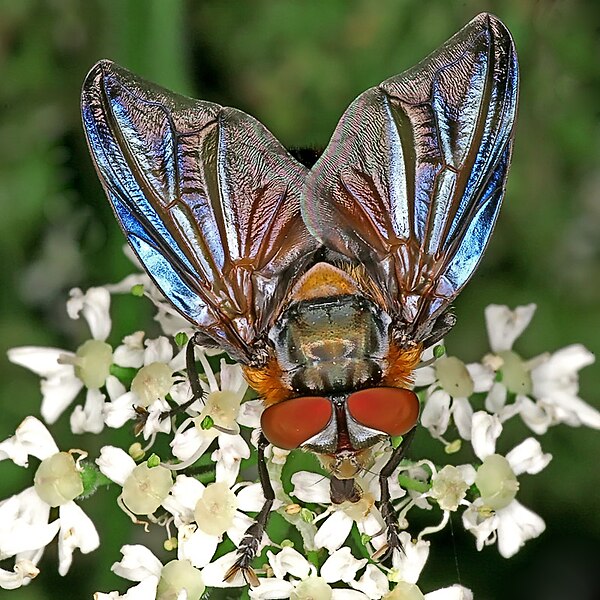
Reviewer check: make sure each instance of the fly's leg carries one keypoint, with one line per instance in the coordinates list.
(194, 379)
(385, 505)
(443, 324)
(249, 546)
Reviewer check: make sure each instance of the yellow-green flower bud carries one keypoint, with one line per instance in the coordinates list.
(57, 480)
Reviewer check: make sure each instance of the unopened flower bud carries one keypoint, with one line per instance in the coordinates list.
(146, 488)
(307, 515)
(515, 375)
(179, 575)
(57, 480)
(312, 588)
(404, 591)
(454, 377)
(92, 363)
(222, 406)
(136, 451)
(214, 512)
(496, 482)
(152, 382)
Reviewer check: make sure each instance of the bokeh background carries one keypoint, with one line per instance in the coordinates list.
(296, 66)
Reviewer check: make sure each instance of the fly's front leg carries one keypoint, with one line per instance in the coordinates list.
(194, 379)
(385, 505)
(248, 548)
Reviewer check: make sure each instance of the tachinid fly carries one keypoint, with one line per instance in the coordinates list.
(327, 282)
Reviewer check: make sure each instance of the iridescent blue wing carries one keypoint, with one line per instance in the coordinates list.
(207, 197)
(414, 175)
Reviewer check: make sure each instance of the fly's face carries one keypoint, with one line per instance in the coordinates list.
(341, 429)
(325, 280)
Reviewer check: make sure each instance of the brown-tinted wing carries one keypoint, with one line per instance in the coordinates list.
(208, 199)
(414, 175)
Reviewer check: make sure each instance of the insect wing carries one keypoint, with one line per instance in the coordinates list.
(414, 175)
(207, 197)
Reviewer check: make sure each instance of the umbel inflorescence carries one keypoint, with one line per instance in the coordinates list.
(204, 494)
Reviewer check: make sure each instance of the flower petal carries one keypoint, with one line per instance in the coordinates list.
(409, 564)
(90, 417)
(373, 582)
(24, 524)
(534, 415)
(95, 305)
(289, 561)
(24, 571)
(196, 546)
(158, 350)
(485, 431)
(232, 449)
(271, 588)
(251, 498)
(462, 413)
(341, 566)
(504, 326)
(333, 531)
(454, 592)
(31, 438)
(42, 361)
(137, 564)
(516, 525)
(183, 497)
(214, 573)
(120, 410)
(528, 457)
(131, 352)
(310, 487)
(482, 376)
(115, 463)
(76, 531)
(58, 393)
(436, 413)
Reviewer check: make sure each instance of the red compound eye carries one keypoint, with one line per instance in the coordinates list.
(392, 410)
(290, 423)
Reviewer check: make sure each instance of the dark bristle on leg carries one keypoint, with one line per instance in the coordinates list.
(385, 505)
(249, 546)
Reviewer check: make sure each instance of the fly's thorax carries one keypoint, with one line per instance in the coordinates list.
(331, 344)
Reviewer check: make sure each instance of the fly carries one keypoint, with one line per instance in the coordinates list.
(326, 282)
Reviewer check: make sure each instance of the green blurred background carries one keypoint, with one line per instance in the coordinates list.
(296, 66)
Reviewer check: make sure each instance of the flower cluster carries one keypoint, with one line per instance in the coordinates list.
(202, 497)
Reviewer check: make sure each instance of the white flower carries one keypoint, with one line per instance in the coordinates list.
(150, 386)
(145, 488)
(222, 408)
(497, 514)
(24, 529)
(304, 582)
(339, 518)
(450, 383)
(450, 484)
(203, 514)
(546, 387)
(504, 326)
(555, 387)
(65, 373)
(176, 579)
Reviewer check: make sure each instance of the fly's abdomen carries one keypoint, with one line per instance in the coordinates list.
(331, 344)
